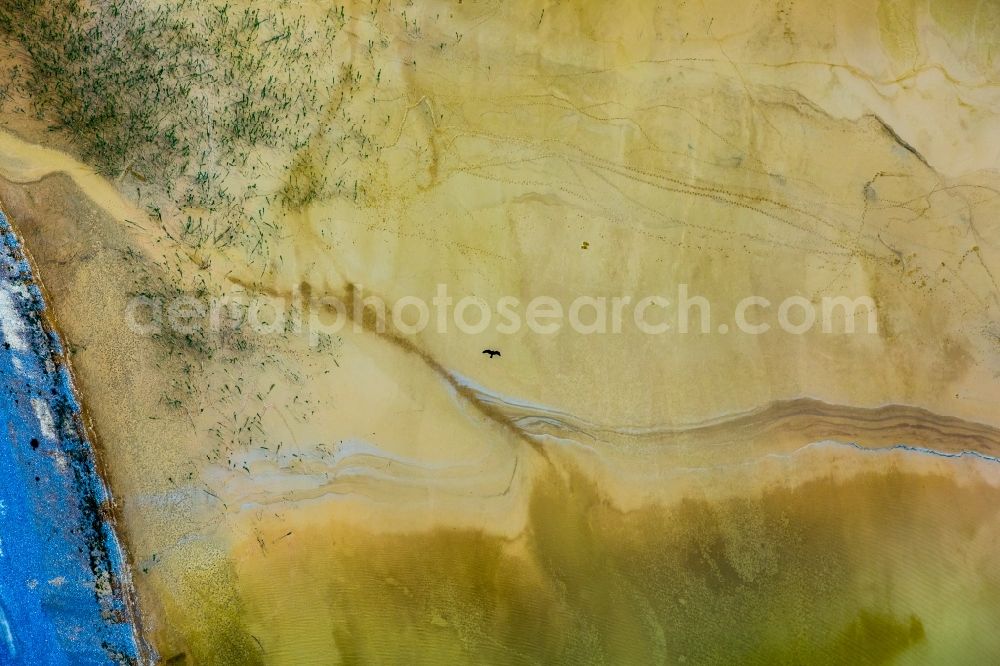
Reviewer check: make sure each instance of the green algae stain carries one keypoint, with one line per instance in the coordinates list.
(787, 577)
(897, 22)
(208, 628)
(871, 638)
(306, 181)
(875, 638)
(972, 27)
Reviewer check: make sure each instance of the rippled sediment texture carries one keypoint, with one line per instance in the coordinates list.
(606, 498)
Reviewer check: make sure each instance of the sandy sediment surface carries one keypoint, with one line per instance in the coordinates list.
(367, 495)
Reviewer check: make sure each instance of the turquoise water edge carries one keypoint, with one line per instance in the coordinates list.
(63, 585)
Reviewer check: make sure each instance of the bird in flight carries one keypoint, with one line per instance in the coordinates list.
(491, 352)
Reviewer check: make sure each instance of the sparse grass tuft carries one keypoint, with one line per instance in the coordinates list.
(173, 93)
